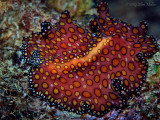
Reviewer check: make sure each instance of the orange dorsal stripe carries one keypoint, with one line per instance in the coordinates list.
(59, 67)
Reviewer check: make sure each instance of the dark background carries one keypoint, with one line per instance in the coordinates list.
(135, 11)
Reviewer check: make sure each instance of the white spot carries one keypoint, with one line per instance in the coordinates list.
(79, 97)
(77, 44)
(109, 86)
(126, 59)
(51, 85)
(122, 37)
(121, 77)
(120, 101)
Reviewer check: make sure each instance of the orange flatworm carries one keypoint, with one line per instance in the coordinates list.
(85, 73)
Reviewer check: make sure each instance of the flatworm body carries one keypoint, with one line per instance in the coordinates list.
(79, 71)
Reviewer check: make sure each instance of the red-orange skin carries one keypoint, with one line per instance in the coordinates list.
(82, 73)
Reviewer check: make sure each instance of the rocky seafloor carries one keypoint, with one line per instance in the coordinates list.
(18, 18)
